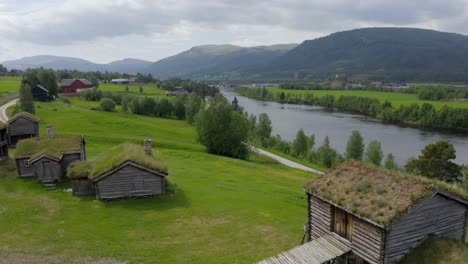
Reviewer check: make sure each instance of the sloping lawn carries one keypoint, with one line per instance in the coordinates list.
(217, 210)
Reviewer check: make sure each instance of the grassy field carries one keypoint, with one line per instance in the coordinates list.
(148, 90)
(9, 86)
(218, 210)
(397, 99)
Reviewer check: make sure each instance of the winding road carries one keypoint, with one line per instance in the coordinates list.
(3, 108)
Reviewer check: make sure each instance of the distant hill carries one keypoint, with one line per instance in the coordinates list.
(58, 63)
(380, 53)
(216, 61)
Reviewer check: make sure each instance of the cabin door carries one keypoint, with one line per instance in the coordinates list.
(342, 223)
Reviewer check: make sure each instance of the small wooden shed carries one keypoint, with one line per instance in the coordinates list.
(3, 141)
(383, 214)
(46, 166)
(125, 171)
(38, 157)
(20, 126)
(40, 93)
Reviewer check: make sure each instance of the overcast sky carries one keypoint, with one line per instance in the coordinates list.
(107, 30)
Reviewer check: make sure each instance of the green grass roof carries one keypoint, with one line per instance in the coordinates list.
(61, 144)
(24, 114)
(373, 193)
(50, 153)
(113, 158)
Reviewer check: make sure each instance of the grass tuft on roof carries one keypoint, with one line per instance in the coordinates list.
(114, 157)
(374, 193)
(79, 169)
(24, 114)
(61, 144)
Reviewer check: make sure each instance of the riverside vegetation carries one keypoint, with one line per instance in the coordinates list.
(372, 103)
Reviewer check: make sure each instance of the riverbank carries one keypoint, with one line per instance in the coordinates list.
(421, 115)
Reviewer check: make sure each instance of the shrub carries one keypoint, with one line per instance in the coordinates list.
(107, 104)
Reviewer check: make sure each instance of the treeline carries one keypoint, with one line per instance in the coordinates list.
(438, 92)
(425, 115)
(201, 88)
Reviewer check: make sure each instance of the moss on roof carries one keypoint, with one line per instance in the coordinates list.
(49, 152)
(24, 114)
(79, 169)
(114, 157)
(373, 193)
(61, 144)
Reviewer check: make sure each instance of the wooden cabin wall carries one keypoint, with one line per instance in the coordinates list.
(69, 158)
(46, 171)
(437, 215)
(129, 182)
(82, 187)
(320, 217)
(22, 126)
(23, 170)
(367, 241)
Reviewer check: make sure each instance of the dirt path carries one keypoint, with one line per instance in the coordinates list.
(284, 161)
(3, 108)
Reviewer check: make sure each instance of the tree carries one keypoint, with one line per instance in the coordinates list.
(95, 81)
(179, 106)
(326, 153)
(374, 153)
(141, 89)
(126, 100)
(300, 144)
(222, 129)
(264, 127)
(192, 106)
(355, 146)
(311, 142)
(436, 162)
(26, 102)
(235, 104)
(48, 80)
(282, 97)
(390, 162)
(126, 88)
(107, 104)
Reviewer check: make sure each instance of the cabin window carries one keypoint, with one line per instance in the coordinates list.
(342, 223)
(26, 163)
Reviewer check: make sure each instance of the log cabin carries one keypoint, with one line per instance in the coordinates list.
(3, 141)
(40, 93)
(125, 171)
(20, 126)
(362, 214)
(46, 159)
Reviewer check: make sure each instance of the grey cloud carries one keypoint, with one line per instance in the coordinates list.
(71, 21)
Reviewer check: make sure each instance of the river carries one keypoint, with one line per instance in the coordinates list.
(403, 142)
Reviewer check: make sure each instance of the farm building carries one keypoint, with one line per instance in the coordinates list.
(361, 214)
(73, 86)
(46, 159)
(3, 141)
(40, 93)
(124, 171)
(177, 91)
(20, 126)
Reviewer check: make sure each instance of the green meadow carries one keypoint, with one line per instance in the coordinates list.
(217, 210)
(9, 86)
(395, 98)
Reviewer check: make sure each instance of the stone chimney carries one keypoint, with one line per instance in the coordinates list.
(49, 131)
(148, 146)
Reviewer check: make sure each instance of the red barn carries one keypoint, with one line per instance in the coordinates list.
(72, 86)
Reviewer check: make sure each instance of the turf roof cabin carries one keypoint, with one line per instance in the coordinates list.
(20, 126)
(46, 159)
(384, 215)
(124, 171)
(3, 141)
